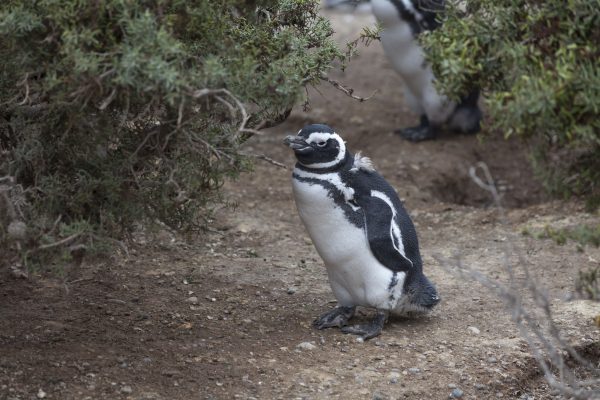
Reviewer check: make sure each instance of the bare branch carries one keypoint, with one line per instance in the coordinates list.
(238, 104)
(25, 82)
(180, 113)
(58, 243)
(9, 178)
(346, 90)
(267, 159)
(106, 102)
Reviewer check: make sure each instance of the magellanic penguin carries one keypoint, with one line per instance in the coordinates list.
(402, 21)
(361, 231)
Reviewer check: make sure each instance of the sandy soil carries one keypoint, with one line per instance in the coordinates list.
(222, 316)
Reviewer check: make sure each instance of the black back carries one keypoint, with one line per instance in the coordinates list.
(428, 14)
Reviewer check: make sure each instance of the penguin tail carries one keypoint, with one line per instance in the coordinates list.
(424, 294)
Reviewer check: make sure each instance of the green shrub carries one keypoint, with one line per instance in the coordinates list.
(587, 284)
(537, 64)
(116, 112)
(583, 235)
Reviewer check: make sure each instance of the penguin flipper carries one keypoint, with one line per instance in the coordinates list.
(382, 231)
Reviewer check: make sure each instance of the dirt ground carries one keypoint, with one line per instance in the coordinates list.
(228, 315)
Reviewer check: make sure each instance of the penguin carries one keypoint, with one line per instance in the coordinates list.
(360, 229)
(402, 21)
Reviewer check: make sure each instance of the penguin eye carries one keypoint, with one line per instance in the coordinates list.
(321, 144)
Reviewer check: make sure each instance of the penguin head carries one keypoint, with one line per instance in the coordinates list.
(317, 146)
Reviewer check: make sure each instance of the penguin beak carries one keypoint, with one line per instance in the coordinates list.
(297, 144)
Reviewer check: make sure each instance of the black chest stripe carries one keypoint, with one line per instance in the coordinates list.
(355, 217)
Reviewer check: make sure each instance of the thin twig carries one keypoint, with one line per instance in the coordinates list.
(348, 91)
(267, 159)
(58, 243)
(180, 113)
(240, 107)
(9, 178)
(106, 102)
(25, 82)
(141, 145)
(55, 224)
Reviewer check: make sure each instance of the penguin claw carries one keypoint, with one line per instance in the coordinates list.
(337, 317)
(365, 332)
(417, 133)
(370, 330)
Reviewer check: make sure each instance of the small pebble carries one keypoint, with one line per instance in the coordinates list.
(291, 290)
(474, 330)
(41, 394)
(451, 386)
(193, 300)
(414, 370)
(492, 360)
(306, 346)
(126, 389)
(456, 393)
(479, 386)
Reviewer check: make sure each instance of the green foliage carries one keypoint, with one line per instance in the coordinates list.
(537, 64)
(581, 234)
(587, 284)
(116, 112)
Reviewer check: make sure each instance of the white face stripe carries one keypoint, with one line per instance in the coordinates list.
(395, 232)
(320, 137)
(323, 137)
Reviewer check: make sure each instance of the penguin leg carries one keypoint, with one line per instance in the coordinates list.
(466, 118)
(370, 330)
(338, 316)
(425, 131)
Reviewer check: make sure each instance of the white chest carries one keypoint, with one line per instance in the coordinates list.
(355, 275)
(397, 39)
(334, 237)
(407, 58)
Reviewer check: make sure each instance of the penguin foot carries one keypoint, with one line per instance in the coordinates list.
(370, 330)
(416, 134)
(337, 317)
(425, 131)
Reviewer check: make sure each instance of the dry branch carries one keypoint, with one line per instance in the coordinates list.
(348, 91)
(267, 159)
(239, 106)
